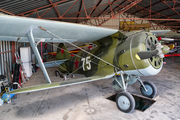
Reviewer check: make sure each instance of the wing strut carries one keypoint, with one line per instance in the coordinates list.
(36, 52)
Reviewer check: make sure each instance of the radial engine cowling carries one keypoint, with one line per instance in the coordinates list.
(144, 45)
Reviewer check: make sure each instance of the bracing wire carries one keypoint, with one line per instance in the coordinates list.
(78, 47)
(75, 54)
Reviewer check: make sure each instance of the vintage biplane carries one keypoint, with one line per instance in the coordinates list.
(122, 57)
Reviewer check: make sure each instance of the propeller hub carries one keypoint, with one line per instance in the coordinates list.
(159, 50)
(165, 49)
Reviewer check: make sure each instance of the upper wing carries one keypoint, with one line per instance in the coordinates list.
(14, 28)
(55, 85)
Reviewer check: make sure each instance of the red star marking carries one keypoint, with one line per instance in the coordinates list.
(76, 63)
(62, 50)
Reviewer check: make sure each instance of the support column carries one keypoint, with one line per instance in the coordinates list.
(36, 52)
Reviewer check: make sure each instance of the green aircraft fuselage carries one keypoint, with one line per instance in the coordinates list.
(118, 50)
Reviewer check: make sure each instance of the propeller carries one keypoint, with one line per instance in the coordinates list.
(159, 51)
(146, 54)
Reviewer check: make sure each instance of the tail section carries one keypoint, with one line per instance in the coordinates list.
(63, 53)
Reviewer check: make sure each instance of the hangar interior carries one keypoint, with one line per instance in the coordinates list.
(89, 100)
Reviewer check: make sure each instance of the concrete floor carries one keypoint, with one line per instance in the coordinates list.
(88, 101)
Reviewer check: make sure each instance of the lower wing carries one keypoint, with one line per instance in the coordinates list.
(56, 85)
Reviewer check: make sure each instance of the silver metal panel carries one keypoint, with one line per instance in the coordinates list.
(5, 57)
(4, 50)
(15, 45)
(1, 59)
(7, 54)
(10, 56)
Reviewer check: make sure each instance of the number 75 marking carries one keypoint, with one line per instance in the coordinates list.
(86, 62)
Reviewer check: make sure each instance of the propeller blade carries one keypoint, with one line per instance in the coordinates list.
(146, 54)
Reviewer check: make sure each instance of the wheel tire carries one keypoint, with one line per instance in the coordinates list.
(125, 102)
(152, 90)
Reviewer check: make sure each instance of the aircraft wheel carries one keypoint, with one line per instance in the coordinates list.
(125, 102)
(151, 89)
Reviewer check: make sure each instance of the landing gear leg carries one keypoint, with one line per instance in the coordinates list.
(124, 100)
(148, 89)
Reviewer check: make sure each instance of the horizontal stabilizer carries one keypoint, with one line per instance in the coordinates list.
(55, 85)
(52, 63)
